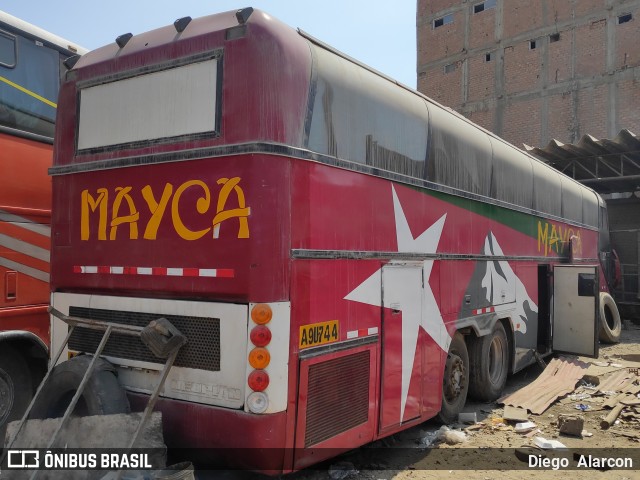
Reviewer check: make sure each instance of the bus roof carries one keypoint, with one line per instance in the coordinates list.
(14, 24)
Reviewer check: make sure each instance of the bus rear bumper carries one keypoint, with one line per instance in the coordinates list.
(220, 438)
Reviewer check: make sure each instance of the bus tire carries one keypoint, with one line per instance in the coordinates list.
(488, 364)
(102, 395)
(455, 381)
(610, 323)
(16, 385)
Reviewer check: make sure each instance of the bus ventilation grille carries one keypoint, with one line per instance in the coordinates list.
(202, 350)
(338, 397)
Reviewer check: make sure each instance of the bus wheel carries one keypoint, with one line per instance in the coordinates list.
(489, 364)
(455, 382)
(16, 386)
(610, 324)
(102, 395)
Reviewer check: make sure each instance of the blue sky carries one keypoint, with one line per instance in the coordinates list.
(378, 33)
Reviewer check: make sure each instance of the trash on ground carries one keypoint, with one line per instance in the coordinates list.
(576, 397)
(515, 414)
(467, 417)
(475, 426)
(498, 422)
(525, 427)
(610, 419)
(342, 470)
(584, 433)
(451, 437)
(429, 439)
(533, 432)
(548, 444)
(571, 425)
(582, 407)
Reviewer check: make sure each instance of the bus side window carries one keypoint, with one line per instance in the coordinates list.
(362, 117)
(547, 189)
(459, 156)
(512, 175)
(571, 200)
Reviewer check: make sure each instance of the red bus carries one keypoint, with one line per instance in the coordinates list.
(30, 73)
(347, 257)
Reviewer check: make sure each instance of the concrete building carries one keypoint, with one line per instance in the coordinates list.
(534, 70)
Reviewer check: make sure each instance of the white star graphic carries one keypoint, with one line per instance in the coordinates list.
(418, 309)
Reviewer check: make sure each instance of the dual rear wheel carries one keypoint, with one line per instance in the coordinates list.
(477, 367)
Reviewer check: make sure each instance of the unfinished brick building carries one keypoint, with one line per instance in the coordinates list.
(561, 76)
(533, 70)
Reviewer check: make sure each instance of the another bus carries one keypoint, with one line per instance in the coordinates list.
(346, 257)
(31, 68)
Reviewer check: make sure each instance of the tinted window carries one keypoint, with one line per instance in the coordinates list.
(571, 200)
(365, 118)
(512, 179)
(547, 190)
(459, 153)
(29, 92)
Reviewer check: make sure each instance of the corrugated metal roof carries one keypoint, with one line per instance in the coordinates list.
(617, 381)
(605, 165)
(558, 379)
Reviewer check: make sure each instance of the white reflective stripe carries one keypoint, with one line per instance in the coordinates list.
(21, 246)
(30, 271)
(363, 332)
(159, 271)
(25, 223)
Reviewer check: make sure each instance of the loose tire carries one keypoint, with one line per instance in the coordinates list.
(16, 385)
(610, 324)
(489, 364)
(102, 395)
(455, 383)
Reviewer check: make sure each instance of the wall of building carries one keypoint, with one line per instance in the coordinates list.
(533, 70)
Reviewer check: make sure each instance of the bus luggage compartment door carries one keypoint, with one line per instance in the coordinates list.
(575, 310)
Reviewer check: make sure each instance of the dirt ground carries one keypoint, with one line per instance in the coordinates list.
(489, 451)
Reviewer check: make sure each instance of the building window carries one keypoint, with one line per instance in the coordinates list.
(554, 37)
(439, 22)
(532, 44)
(486, 5)
(624, 18)
(450, 68)
(487, 57)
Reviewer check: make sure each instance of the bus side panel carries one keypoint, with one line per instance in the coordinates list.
(25, 203)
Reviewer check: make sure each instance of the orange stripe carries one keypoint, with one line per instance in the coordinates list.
(12, 230)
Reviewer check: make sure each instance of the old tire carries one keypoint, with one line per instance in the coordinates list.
(610, 323)
(455, 382)
(16, 385)
(102, 395)
(489, 364)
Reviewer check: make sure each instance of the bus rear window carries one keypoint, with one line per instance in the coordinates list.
(157, 106)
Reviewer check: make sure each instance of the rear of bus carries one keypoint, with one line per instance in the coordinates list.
(163, 208)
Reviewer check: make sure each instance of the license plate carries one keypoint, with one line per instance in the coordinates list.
(319, 334)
